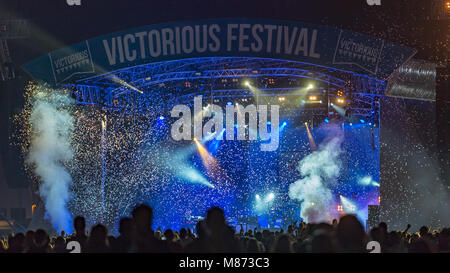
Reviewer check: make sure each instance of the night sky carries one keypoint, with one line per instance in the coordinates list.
(402, 21)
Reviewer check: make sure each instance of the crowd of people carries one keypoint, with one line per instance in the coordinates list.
(213, 235)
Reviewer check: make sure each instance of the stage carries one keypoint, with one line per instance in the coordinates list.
(123, 89)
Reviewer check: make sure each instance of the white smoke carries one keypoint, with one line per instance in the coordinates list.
(368, 181)
(52, 125)
(319, 170)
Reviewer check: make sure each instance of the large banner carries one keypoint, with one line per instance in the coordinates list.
(294, 41)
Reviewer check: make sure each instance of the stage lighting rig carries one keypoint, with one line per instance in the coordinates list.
(340, 101)
(441, 9)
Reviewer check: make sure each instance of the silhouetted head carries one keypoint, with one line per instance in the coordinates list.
(183, 233)
(423, 231)
(142, 216)
(126, 227)
(259, 236)
(283, 245)
(200, 227)
(60, 243)
(169, 235)
(19, 240)
(29, 237)
(190, 234)
(383, 227)
(375, 234)
(252, 246)
(97, 239)
(350, 233)
(79, 223)
(215, 218)
(98, 233)
(290, 229)
(41, 238)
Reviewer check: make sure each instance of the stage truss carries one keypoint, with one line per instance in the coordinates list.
(165, 84)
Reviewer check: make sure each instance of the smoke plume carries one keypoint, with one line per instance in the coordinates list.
(52, 124)
(319, 171)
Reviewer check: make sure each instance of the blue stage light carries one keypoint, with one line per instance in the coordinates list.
(268, 123)
(229, 103)
(303, 101)
(284, 123)
(270, 197)
(326, 120)
(161, 118)
(348, 205)
(362, 121)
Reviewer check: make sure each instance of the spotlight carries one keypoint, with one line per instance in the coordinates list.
(310, 86)
(268, 123)
(257, 197)
(270, 196)
(326, 120)
(247, 83)
(303, 101)
(312, 98)
(341, 101)
(281, 98)
(362, 121)
(347, 204)
(161, 118)
(285, 123)
(229, 103)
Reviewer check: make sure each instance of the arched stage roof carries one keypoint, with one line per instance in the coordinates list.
(175, 61)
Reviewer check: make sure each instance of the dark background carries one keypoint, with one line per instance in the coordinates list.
(55, 23)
